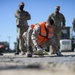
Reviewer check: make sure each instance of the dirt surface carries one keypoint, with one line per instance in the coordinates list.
(47, 65)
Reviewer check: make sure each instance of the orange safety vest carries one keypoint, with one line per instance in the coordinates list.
(43, 35)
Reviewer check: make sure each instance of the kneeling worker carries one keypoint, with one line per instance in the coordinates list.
(40, 35)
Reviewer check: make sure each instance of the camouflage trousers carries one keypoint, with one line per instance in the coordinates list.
(51, 41)
(20, 40)
(17, 46)
(57, 38)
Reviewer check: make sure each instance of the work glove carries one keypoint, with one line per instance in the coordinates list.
(39, 49)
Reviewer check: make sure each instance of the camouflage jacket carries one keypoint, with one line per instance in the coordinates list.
(22, 17)
(59, 19)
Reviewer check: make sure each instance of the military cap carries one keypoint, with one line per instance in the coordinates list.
(21, 3)
(57, 7)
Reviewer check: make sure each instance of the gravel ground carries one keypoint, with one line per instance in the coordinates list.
(47, 65)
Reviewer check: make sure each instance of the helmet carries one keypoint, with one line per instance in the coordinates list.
(57, 7)
(21, 3)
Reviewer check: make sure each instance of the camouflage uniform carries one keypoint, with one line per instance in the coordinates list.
(22, 26)
(31, 37)
(59, 21)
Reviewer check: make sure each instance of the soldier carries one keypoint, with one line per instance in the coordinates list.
(39, 36)
(73, 25)
(59, 21)
(22, 26)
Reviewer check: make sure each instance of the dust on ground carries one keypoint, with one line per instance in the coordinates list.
(49, 65)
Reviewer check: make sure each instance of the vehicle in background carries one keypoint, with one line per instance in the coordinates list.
(67, 43)
(4, 46)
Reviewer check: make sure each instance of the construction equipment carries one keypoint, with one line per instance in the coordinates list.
(67, 42)
(65, 45)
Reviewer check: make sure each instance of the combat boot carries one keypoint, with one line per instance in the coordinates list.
(17, 53)
(29, 52)
(59, 53)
